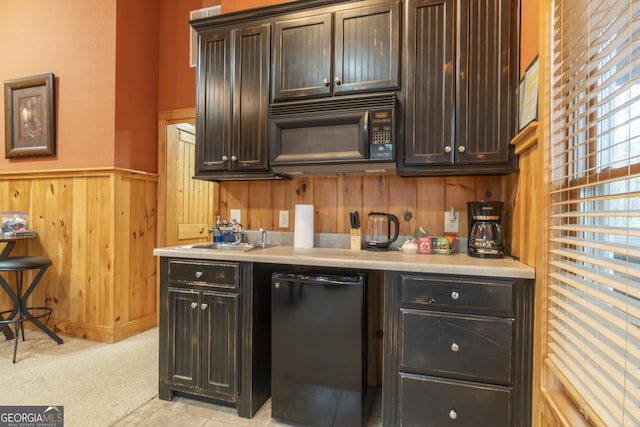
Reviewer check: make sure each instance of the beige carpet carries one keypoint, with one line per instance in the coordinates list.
(97, 383)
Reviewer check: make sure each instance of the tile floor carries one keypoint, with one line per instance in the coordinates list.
(185, 412)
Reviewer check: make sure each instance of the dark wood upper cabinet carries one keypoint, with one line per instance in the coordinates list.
(461, 58)
(335, 52)
(302, 57)
(232, 100)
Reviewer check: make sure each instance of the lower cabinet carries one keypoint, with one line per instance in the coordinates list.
(203, 342)
(457, 351)
(215, 332)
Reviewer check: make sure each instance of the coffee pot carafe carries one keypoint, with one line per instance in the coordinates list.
(485, 229)
(378, 232)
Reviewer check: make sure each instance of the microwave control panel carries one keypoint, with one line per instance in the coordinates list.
(381, 134)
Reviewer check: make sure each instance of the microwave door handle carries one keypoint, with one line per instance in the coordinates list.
(365, 126)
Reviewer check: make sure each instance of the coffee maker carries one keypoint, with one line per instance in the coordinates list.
(485, 229)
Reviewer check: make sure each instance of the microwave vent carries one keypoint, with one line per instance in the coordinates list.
(338, 104)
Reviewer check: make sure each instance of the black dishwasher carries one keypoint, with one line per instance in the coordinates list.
(318, 360)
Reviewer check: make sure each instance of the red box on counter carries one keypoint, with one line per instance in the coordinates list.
(425, 245)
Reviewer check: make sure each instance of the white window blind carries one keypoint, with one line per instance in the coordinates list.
(593, 343)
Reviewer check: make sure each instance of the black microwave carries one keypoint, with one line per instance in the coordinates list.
(334, 136)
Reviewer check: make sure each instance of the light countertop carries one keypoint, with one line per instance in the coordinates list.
(459, 263)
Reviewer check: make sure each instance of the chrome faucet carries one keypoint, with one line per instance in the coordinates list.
(264, 237)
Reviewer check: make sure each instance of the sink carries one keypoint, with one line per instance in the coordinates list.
(243, 247)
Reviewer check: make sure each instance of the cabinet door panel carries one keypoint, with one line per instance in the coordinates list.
(484, 70)
(213, 124)
(183, 333)
(219, 344)
(434, 402)
(430, 92)
(302, 57)
(251, 98)
(466, 347)
(367, 48)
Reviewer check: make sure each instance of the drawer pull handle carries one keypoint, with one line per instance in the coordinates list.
(203, 306)
(455, 295)
(455, 347)
(453, 414)
(198, 274)
(194, 304)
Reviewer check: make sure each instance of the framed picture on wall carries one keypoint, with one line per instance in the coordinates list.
(528, 96)
(29, 116)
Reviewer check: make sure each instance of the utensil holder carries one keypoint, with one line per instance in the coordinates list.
(356, 242)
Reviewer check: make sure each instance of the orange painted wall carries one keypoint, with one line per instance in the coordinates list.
(75, 41)
(136, 118)
(177, 81)
(529, 30)
(228, 6)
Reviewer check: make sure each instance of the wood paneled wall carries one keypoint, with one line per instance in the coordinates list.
(415, 201)
(99, 229)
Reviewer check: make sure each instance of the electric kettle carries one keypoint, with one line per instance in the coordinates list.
(378, 233)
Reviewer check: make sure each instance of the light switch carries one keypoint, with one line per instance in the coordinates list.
(283, 219)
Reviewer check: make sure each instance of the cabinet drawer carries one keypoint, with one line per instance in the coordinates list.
(428, 401)
(461, 295)
(458, 346)
(216, 274)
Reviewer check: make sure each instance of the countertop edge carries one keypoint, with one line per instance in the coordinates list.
(459, 264)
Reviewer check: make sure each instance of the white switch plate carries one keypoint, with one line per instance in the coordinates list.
(451, 222)
(237, 215)
(283, 219)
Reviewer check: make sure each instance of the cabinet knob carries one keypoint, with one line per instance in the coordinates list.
(194, 305)
(447, 149)
(234, 159)
(453, 414)
(326, 82)
(338, 81)
(462, 149)
(203, 306)
(198, 274)
(455, 347)
(225, 158)
(455, 295)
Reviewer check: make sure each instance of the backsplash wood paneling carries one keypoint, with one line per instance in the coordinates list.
(415, 201)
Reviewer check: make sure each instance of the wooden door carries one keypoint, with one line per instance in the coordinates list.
(186, 206)
(194, 198)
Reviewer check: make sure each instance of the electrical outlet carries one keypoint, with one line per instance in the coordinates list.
(451, 221)
(283, 219)
(237, 215)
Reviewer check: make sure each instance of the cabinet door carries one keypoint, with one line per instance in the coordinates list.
(302, 57)
(219, 344)
(250, 98)
(213, 106)
(430, 78)
(183, 338)
(485, 76)
(367, 48)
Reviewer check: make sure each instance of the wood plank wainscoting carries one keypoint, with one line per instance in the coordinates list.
(98, 226)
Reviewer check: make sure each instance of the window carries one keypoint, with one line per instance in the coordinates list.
(593, 342)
